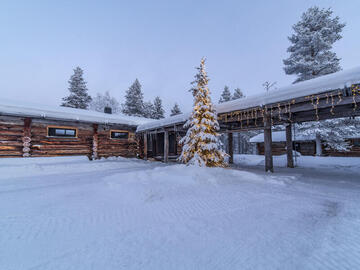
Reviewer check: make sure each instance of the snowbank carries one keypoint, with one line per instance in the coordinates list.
(346, 163)
(71, 213)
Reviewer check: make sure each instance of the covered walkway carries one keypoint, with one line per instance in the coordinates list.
(331, 96)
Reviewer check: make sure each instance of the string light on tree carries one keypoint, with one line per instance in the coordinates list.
(201, 145)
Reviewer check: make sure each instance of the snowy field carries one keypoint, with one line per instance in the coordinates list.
(70, 213)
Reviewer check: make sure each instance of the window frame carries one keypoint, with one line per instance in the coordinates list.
(62, 127)
(122, 131)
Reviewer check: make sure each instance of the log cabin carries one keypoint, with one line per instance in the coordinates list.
(305, 145)
(32, 130)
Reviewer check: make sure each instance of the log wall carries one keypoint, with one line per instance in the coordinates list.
(108, 147)
(43, 145)
(29, 137)
(11, 134)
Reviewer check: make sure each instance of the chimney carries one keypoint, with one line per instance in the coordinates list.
(108, 110)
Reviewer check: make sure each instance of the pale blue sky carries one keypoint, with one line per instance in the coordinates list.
(158, 42)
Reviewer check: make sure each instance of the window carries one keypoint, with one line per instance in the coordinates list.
(356, 142)
(62, 132)
(119, 134)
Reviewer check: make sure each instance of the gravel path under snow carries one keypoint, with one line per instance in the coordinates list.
(69, 213)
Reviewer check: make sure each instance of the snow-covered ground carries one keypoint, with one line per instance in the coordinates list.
(70, 213)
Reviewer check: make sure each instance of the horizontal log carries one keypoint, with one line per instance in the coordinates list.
(15, 128)
(52, 142)
(58, 152)
(11, 143)
(9, 147)
(11, 132)
(11, 153)
(57, 155)
(54, 147)
(10, 137)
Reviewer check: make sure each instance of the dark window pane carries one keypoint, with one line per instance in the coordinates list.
(119, 135)
(61, 132)
(70, 132)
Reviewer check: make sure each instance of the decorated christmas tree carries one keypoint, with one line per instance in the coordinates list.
(201, 145)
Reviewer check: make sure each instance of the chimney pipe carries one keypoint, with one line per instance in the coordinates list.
(108, 110)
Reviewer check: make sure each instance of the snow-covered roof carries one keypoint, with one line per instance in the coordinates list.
(280, 136)
(169, 121)
(325, 83)
(15, 108)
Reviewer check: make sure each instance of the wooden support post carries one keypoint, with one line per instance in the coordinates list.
(26, 139)
(166, 146)
(289, 147)
(145, 146)
(95, 143)
(231, 150)
(268, 145)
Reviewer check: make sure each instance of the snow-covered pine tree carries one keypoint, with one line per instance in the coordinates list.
(78, 98)
(201, 145)
(104, 100)
(332, 132)
(148, 109)
(158, 111)
(175, 110)
(225, 95)
(310, 52)
(238, 94)
(134, 100)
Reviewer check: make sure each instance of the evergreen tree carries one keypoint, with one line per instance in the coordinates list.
(78, 98)
(201, 145)
(101, 101)
(134, 100)
(158, 112)
(333, 132)
(148, 109)
(225, 95)
(175, 110)
(237, 94)
(310, 52)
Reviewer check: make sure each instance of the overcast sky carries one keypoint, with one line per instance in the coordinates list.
(158, 42)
